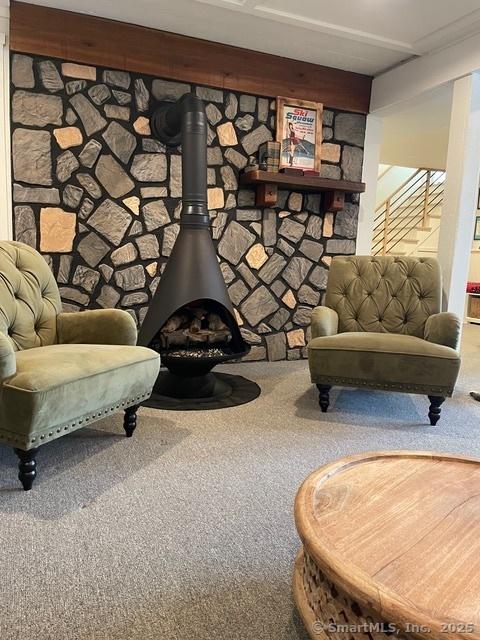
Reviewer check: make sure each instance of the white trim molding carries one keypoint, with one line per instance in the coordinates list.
(371, 160)
(6, 219)
(410, 80)
(461, 191)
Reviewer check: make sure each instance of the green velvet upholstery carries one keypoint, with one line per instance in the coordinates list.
(443, 328)
(29, 298)
(381, 327)
(7, 357)
(324, 322)
(62, 387)
(100, 326)
(384, 361)
(384, 294)
(61, 371)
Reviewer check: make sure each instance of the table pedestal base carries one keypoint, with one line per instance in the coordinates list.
(329, 614)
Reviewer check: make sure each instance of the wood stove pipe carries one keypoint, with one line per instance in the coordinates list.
(192, 271)
(185, 122)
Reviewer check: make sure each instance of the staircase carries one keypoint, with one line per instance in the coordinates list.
(408, 221)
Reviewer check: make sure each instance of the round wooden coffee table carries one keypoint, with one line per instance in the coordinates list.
(391, 544)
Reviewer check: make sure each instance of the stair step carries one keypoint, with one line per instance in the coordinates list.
(415, 205)
(409, 240)
(378, 234)
(415, 214)
(391, 253)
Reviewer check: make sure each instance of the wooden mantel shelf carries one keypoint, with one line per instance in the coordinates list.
(267, 184)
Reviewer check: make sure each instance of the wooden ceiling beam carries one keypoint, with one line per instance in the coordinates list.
(107, 43)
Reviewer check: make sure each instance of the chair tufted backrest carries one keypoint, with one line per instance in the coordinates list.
(29, 298)
(384, 294)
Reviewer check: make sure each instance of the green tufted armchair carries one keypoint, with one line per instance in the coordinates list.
(381, 328)
(61, 371)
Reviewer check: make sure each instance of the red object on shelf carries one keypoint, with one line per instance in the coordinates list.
(473, 287)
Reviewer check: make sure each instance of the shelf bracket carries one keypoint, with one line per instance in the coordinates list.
(266, 195)
(332, 201)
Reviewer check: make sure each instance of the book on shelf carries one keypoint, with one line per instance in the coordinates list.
(269, 156)
(291, 171)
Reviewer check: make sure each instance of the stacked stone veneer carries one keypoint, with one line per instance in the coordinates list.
(100, 198)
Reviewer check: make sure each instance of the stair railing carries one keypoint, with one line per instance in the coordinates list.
(423, 242)
(414, 214)
(406, 209)
(417, 219)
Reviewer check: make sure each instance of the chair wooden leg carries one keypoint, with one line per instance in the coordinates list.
(434, 411)
(323, 396)
(130, 420)
(27, 466)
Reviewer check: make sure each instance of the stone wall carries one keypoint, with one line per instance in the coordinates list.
(100, 198)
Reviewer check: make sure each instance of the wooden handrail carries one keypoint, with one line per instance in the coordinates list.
(425, 199)
(415, 190)
(385, 228)
(402, 232)
(414, 213)
(397, 229)
(384, 172)
(399, 197)
(415, 173)
(406, 208)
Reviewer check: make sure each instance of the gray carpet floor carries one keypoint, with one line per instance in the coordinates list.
(186, 530)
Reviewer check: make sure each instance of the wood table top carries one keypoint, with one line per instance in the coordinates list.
(399, 531)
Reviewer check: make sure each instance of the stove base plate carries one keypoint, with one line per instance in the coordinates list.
(212, 391)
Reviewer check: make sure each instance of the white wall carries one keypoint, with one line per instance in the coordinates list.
(390, 180)
(417, 135)
(474, 270)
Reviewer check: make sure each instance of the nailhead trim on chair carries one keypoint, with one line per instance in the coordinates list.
(407, 388)
(20, 441)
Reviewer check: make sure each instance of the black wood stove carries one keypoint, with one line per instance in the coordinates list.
(190, 320)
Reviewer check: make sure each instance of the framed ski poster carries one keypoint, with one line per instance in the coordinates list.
(299, 131)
